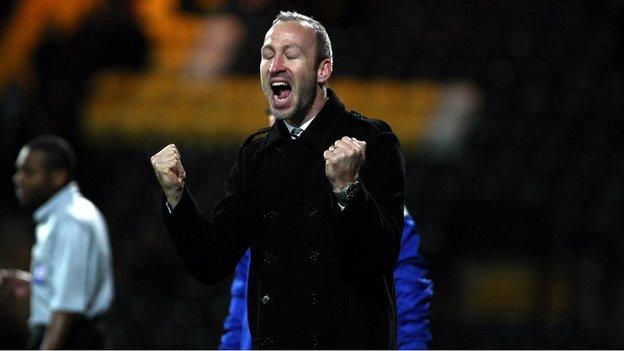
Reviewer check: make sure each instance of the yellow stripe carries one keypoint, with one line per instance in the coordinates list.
(135, 107)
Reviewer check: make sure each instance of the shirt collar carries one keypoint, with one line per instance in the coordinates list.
(320, 131)
(56, 201)
(303, 126)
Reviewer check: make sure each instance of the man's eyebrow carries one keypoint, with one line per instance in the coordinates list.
(288, 46)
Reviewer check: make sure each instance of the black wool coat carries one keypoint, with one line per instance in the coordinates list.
(320, 277)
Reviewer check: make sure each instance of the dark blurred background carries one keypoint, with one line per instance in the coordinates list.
(509, 113)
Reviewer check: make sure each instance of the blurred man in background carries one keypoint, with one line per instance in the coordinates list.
(71, 280)
(413, 289)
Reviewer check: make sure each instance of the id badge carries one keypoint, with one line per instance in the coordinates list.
(39, 274)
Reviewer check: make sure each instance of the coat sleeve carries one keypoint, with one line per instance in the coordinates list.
(371, 224)
(413, 290)
(211, 247)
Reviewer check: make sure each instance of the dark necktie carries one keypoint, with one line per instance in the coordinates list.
(296, 132)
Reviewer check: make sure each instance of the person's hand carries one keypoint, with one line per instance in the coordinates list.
(170, 173)
(343, 161)
(16, 280)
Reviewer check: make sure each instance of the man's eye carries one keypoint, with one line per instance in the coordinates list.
(291, 54)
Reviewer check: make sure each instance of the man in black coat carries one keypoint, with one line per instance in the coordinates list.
(318, 198)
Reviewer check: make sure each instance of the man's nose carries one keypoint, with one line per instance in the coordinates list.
(277, 65)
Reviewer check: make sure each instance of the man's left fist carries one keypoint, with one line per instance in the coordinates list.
(343, 161)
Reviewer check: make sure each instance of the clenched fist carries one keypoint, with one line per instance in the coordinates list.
(343, 161)
(170, 173)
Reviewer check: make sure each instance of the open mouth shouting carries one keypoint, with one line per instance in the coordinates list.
(282, 93)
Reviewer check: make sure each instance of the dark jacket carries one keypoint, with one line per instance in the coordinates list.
(413, 298)
(319, 277)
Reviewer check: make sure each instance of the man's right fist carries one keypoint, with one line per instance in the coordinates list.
(170, 173)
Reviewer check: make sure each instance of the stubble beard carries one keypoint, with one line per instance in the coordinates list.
(306, 99)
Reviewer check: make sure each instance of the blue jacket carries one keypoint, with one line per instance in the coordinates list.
(413, 290)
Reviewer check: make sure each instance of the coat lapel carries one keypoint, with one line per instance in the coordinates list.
(321, 132)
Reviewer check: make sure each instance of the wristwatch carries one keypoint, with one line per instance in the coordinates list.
(346, 195)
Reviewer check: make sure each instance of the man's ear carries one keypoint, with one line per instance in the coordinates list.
(324, 71)
(59, 177)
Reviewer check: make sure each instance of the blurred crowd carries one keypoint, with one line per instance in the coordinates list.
(525, 210)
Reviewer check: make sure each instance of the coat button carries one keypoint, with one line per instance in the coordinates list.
(269, 258)
(265, 342)
(313, 212)
(314, 255)
(314, 298)
(269, 215)
(265, 299)
(315, 341)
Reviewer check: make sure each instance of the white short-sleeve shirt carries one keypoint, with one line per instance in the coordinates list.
(71, 260)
